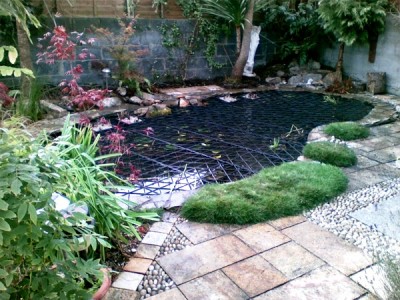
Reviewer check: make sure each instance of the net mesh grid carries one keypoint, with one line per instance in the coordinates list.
(224, 142)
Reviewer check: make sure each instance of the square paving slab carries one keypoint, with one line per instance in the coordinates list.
(292, 260)
(261, 237)
(384, 216)
(255, 275)
(345, 257)
(283, 223)
(201, 232)
(324, 283)
(215, 285)
(204, 258)
(173, 294)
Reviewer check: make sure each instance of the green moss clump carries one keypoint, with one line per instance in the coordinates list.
(330, 153)
(286, 190)
(347, 131)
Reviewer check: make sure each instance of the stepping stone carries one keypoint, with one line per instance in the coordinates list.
(292, 260)
(204, 258)
(138, 265)
(324, 283)
(120, 294)
(201, 232)
(173, 294)
(255, 275)
(215, 285)
(154, 238)
(341, 255)
(128, 281)
(147, 251)
(261, 237)
(385, 155)
(162, 227)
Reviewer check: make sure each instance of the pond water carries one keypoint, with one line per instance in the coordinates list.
(224, 142)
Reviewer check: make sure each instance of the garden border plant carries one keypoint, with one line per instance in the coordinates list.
(330, 153)
(285, 190)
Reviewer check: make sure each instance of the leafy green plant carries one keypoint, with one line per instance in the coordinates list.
(39, 256)
(286, 190)
(297, 32)
(206, 32)
(87, 178)
(347, 131)
(118, 45)
(330, 153)
(353, 21)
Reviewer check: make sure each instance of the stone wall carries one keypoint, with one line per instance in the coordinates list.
(387, 59)
(160, 63)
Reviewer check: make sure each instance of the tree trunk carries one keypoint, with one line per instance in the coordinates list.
(240, 63)
(24, 51)
(238, 40)
(373, 43)
(339, 65)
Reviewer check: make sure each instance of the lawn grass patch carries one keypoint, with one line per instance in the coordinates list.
(330, 153)
(347, 131)
(285, 190)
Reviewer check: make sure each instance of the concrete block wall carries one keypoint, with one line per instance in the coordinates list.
(387, 59)
(159, 64)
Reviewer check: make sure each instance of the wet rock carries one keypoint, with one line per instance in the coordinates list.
(135, 100)
(329, 79)
(314, 77)
(141, 111)
(171, 103)
(158, 110)
(111, 102)
(273, 80)
(296, 80)
(183, 102)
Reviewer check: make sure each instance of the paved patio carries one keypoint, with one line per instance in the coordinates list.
(289, 258)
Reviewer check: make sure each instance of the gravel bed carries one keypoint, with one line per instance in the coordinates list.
(335, 217)
(156, 280)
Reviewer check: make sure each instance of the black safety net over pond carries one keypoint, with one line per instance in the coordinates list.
(224, 142)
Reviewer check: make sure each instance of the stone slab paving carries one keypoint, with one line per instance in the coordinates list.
(261, 237)
(204, 258)
(324, 283)
(384, 216)
(198, 233)
(215, 285)
(255, 275)
(343, 256)
(292, 260)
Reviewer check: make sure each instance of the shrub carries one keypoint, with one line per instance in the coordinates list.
(286, 190)
(330, 153)
(347, 131)
(38, 246)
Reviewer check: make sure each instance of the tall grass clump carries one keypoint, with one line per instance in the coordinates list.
(347, 131)
(330, 153)
(286, 190)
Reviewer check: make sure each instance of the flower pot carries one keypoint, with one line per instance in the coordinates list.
(102, 291)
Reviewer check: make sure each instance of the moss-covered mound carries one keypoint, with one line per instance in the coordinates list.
(330, 153)
(286, 190)
(347, 131)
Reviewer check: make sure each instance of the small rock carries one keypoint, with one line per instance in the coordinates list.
(135, 100)
(141, 111)
(111, 102)
(280, 73)
(273, 80)
(183, 102)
